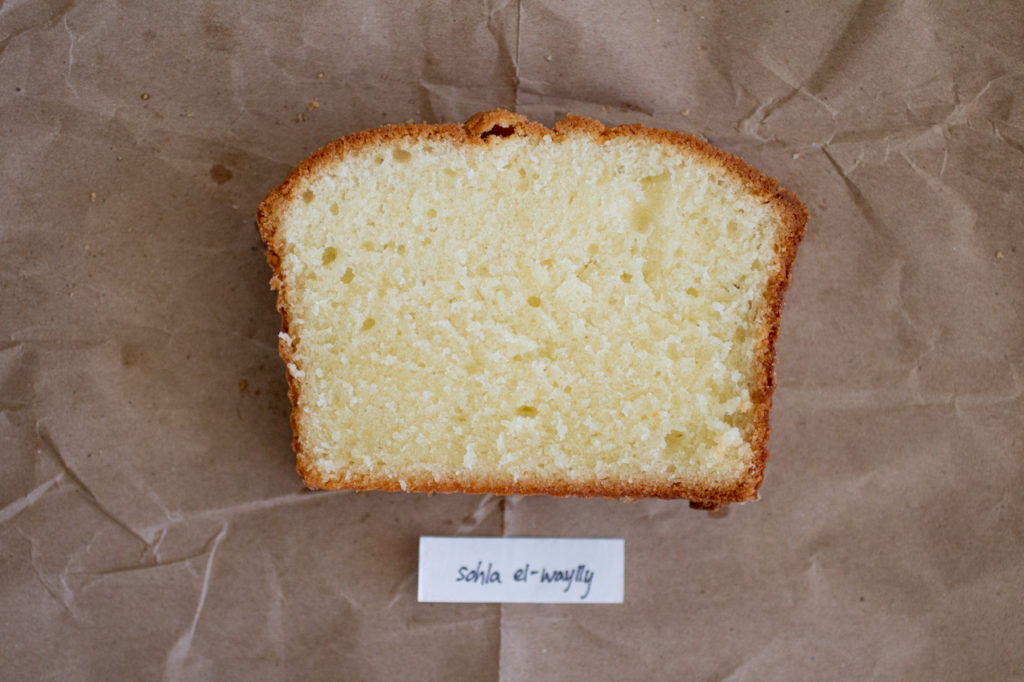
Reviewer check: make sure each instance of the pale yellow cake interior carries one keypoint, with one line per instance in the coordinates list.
(523, 309)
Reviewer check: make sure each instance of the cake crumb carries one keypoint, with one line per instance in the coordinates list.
(319, 74)
(242, 385)
(999, 255)
(145, 95)
(314, 104)
(92, 197)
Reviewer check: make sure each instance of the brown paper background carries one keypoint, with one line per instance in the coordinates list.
(151, 522)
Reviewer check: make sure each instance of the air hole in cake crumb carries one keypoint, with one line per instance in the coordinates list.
(527, 411)
(732, 228)
(690, 291)
(367, 246)
(678, 253)
(642, 220)
(348, 276)
(431, 213)
(450, 172)
(533, 301)
(498, 131)
(592, 249)
(567, 389)
(547, 263)
(401, 155)
(482, 271)
(330, 253)
(308, 197)
(572, 198)
(379, 160)
(401, 249)
(427, 241)
(674, 442)
(333, 209)
(367, 324)
(626, 277)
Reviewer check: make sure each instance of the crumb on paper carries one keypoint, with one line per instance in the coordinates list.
(999, 254)
(92, 196)
(242, 385)
(685, 112)
(320, 74)
(314, 104)
(548, 58)
(145, 96)
(796, 155)
(301, 118)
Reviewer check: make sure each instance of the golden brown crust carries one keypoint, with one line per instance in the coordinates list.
(499, 123)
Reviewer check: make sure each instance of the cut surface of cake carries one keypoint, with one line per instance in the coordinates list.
(499, 307)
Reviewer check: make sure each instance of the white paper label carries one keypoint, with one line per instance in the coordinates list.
(522, 570)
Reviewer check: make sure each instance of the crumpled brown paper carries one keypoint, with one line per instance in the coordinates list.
(151, 522)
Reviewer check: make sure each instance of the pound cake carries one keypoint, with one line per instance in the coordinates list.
(499, 307)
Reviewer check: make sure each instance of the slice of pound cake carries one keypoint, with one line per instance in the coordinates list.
(498, 307)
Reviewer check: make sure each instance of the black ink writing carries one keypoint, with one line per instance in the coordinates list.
(479, 575)
(580, 575)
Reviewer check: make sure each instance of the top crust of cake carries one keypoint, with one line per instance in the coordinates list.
(478, 130)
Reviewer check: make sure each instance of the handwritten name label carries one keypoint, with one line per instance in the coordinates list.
(521, 570)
